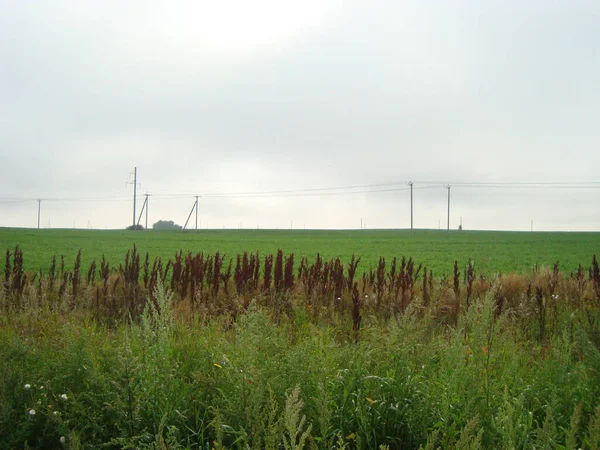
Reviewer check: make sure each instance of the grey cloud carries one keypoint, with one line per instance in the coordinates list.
(377, 93)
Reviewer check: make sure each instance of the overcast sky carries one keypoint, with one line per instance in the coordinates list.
(216, 97)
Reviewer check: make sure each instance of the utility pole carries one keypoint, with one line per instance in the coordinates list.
(144, 208)
(134, 192)
(410, 183)
(197, 213)
(194, 207)
(39, 210)
(448, 187)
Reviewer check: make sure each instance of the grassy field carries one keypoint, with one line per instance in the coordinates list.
(491, 251)
(204, 355)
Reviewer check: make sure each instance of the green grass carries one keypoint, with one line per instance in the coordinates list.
(492, 251)
(511, 362)
(160, 383)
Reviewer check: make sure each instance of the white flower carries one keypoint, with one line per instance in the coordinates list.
(41, 387)
(32, 412)
(64, 397)
(62, 440)
(27, 386)
(55, 413)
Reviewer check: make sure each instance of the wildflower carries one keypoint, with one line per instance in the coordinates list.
(41, 388)
(64, 397)
(27, 386)
(468, 351)
(218, 366)
(62, 440)
(484, 350)
(55, 413)
(32, 412)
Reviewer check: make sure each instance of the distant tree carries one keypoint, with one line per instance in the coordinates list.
(135, 227)
(166, 225)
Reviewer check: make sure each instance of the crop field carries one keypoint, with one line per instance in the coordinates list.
(219, 340)
(491, 252)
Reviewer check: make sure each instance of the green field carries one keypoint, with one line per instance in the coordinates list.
(491, 251)
(313, 359)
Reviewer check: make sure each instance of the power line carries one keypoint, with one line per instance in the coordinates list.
(315, 194)
(286, 191)
(349, 190)
(508, 183)
(300, 194)
(330, 191)
(62, 199)
(489, 186)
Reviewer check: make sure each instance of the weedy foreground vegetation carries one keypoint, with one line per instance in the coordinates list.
(201, 351)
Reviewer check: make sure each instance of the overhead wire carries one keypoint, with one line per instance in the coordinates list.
(334, 191)
(285, 191)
